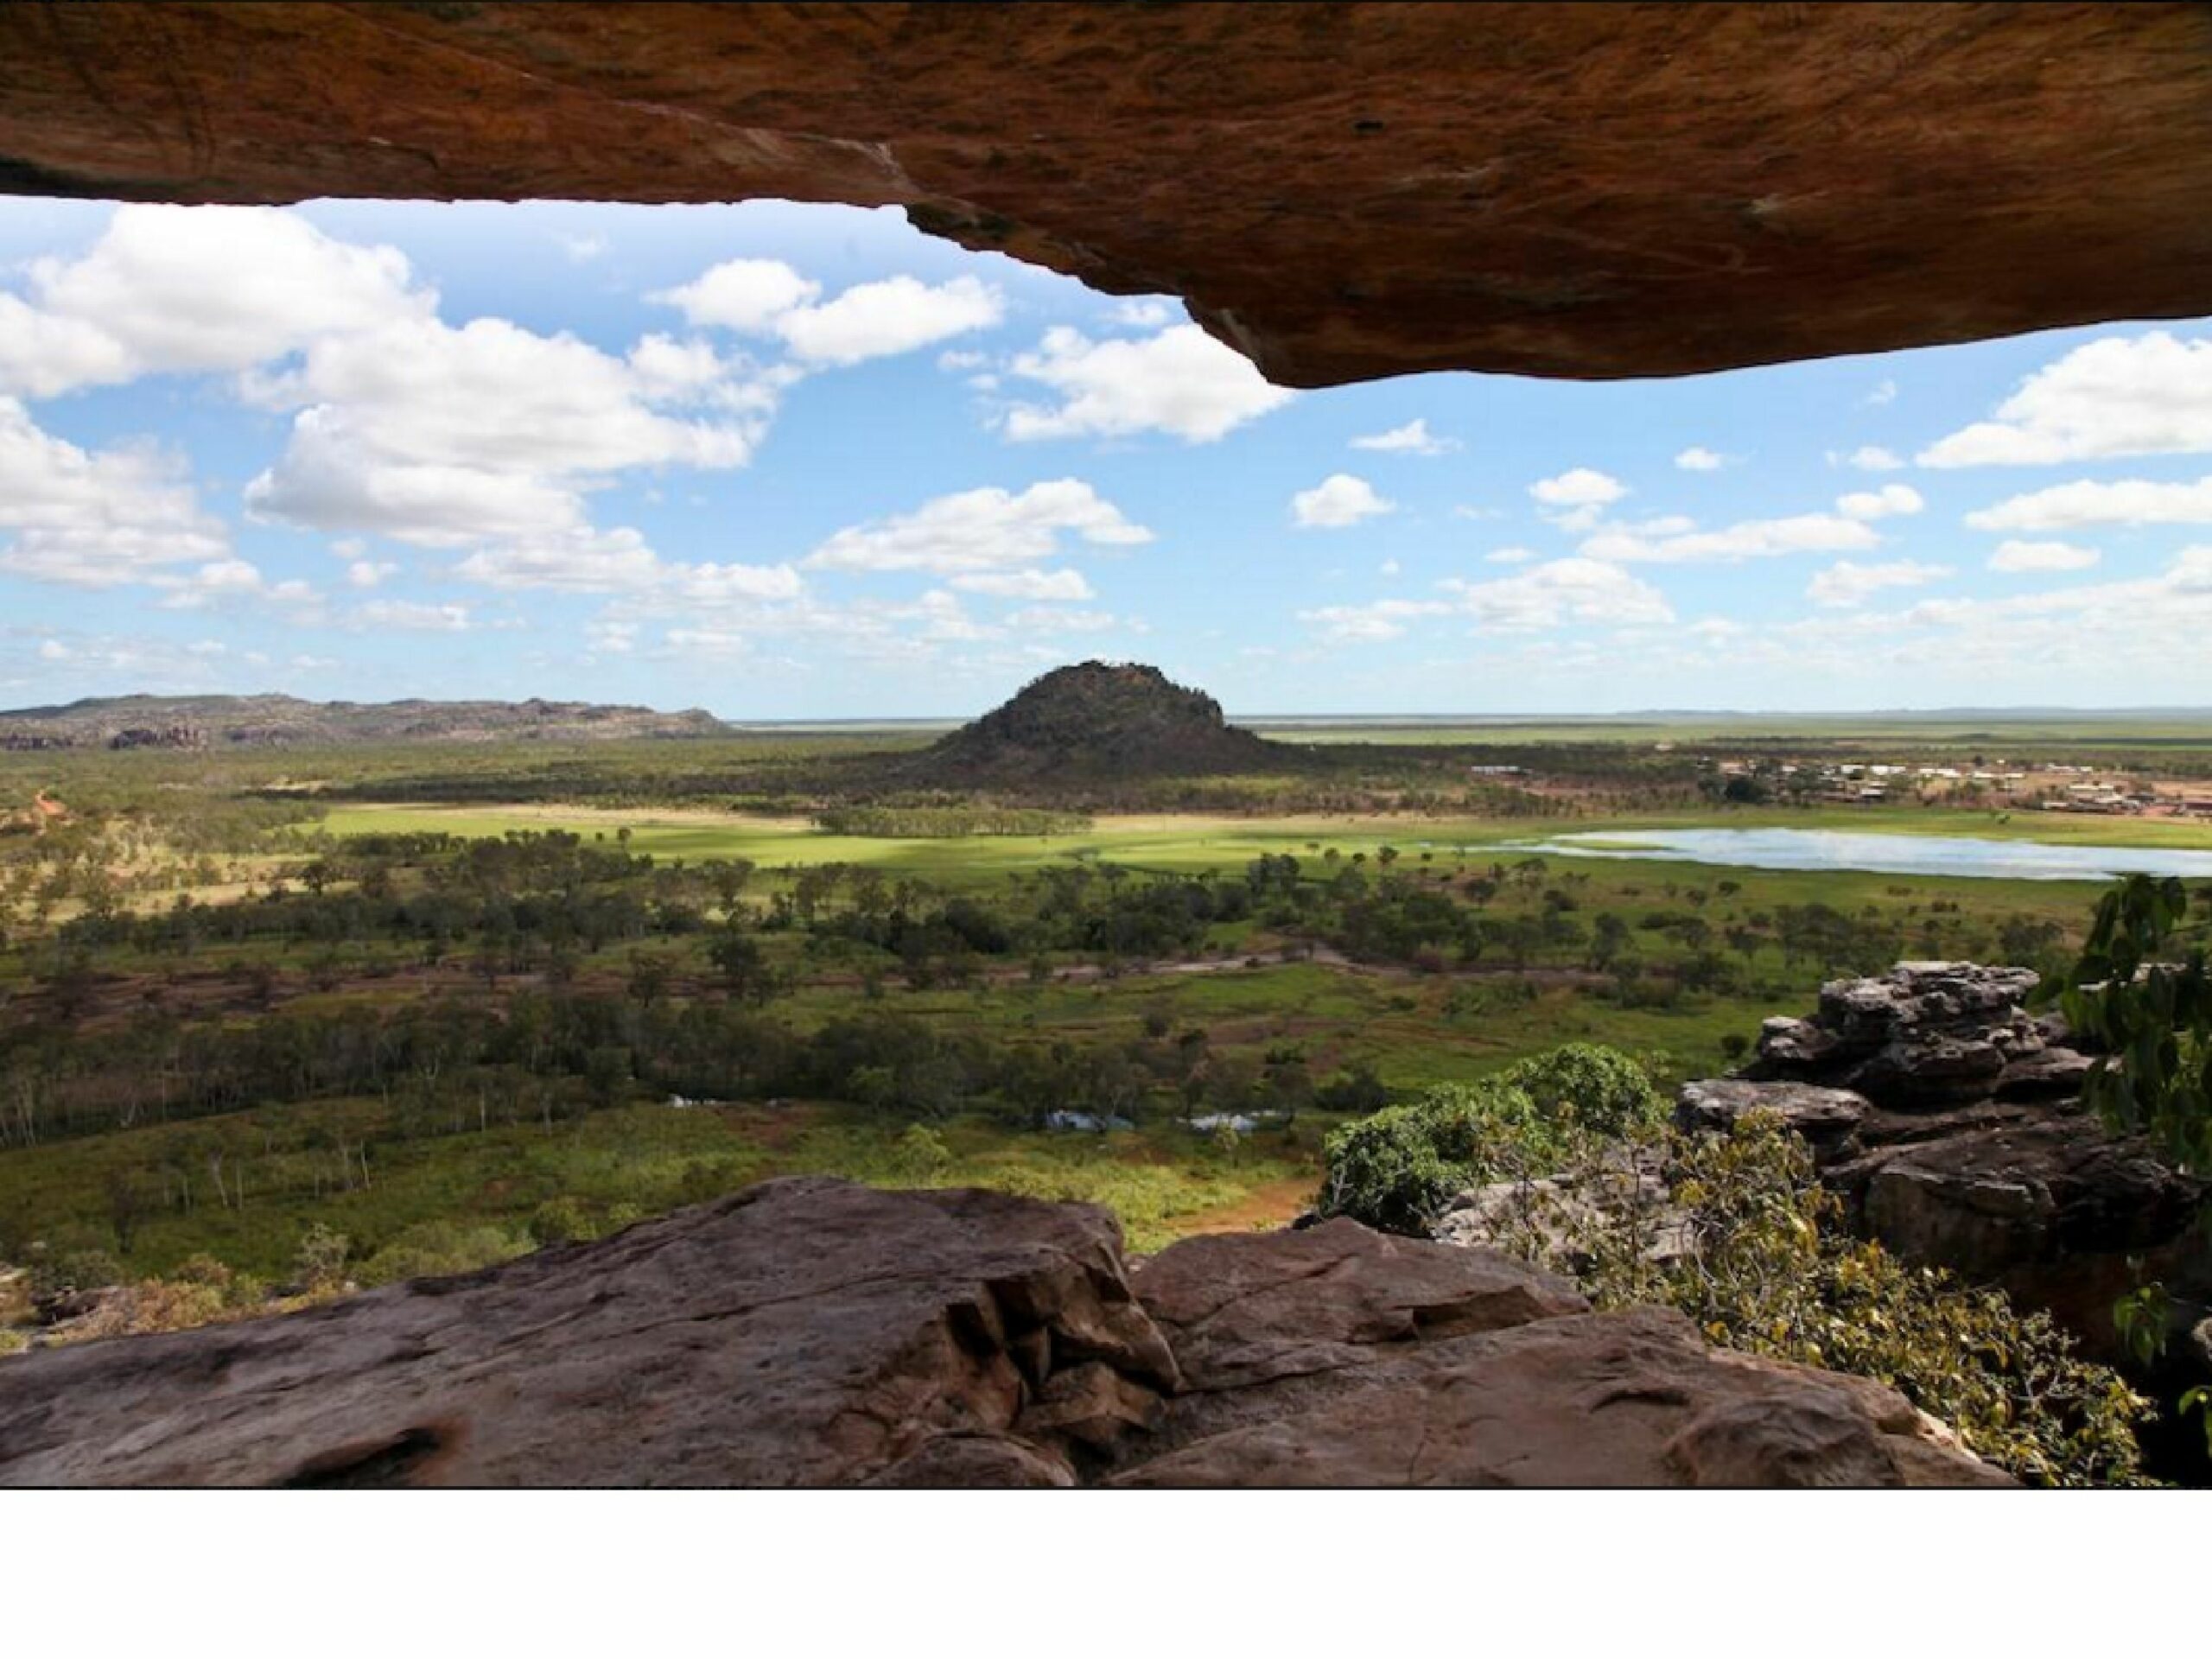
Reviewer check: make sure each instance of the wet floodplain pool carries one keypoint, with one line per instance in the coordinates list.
(1841, 849)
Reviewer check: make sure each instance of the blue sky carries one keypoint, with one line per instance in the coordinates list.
(787, 461)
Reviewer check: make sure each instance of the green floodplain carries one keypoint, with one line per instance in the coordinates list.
(251, 1000)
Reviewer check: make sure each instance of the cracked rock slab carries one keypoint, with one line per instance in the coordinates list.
(810, 1332)
(1338, 1357)
(801, 1332)
(1628, 1399)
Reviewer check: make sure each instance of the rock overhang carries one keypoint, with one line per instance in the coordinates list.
(1341, 192)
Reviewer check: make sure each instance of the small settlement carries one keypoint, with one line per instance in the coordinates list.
(2053, 788)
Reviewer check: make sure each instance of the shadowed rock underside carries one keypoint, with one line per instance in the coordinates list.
(1341, 192)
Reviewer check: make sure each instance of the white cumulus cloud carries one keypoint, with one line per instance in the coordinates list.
(2014, 557)
(443, 436)
(2125, 501)
(177, 289)
(1060, 619)
(1563, 592)
(408, 616)
(1699, 458)
(1844, 584)
(1145, 313)
(1338, 500)
(869, 320)
(2147, 395)
(746, 294)
(1181, 381)
(980, 530)
(1578, 486)
(1757, 539)
(899, 313)
(1576, 499)
(95, 518)
(1045, 586)
(1891, 500)
(1413, 438)
(1372, 624)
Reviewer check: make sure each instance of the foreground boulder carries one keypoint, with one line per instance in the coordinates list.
(1949, 1118)
(1339, 1357)
(813, 1332)
(800, 1333)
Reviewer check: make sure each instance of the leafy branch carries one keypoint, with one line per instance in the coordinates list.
(2146, 1000)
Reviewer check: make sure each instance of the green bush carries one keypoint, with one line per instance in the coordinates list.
(1583, 1086)
(1396, 1170)
(433, 1248)
(233, 1288)
(1386, 1171)
(80, 1269)
(1768, 1269)
(921, 1154)
(321, 1261)
(561, 1221)
(1770, 1272)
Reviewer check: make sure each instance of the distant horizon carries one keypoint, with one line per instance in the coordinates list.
(1323, 717)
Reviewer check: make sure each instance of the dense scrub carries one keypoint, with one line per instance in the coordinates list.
(1398, 1169)
(1739, 1236)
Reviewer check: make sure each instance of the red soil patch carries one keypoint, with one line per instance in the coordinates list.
(1275, 1204)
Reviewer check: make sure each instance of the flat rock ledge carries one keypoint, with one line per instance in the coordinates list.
(811, 1332)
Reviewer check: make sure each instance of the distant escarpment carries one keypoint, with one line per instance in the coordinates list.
(1095, 723)
(218, 723)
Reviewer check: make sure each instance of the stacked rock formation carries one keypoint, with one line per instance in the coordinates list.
(1950, 1119)
(809, 1332)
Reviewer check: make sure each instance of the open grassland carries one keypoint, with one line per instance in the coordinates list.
(520, 1015)
(281, 1176)
(1198, 841)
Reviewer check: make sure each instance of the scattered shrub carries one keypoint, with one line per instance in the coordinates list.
(433, 1248)
(1584, 1086)
(1770, 1271)
(561, 1221)
(1396, 1170)
(320, 1261)
(921, 1154)
(78, 1269)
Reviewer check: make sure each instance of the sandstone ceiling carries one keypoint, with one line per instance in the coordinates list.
(1341, 191)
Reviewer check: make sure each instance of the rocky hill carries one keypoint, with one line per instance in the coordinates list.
(216, 722)
(1094, 722)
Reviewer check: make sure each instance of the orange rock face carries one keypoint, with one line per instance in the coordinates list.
(1341, 192)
